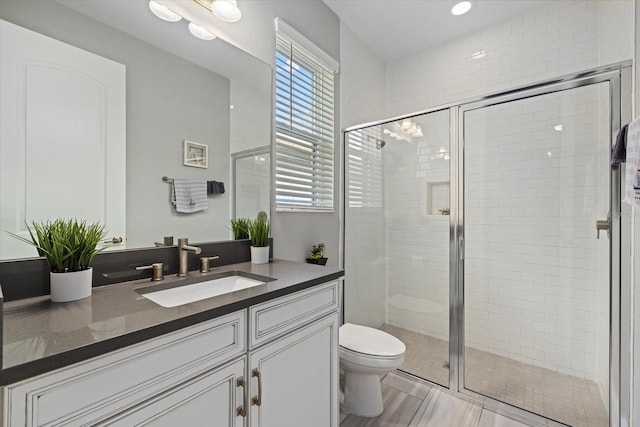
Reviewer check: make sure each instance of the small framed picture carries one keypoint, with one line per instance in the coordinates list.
(196, 155)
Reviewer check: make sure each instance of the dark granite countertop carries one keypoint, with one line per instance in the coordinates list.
(40, 336)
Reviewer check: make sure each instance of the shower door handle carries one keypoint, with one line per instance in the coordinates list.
(603, 224)
(461, 248)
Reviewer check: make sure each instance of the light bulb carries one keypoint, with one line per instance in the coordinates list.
(201, 33)
(226, 10)
(163, 12)
(461, 8)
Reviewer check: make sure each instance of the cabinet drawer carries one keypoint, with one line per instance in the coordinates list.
(209, 399)
(276, 317)
(100, 387)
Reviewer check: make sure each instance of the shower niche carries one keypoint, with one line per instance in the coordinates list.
(437, 197)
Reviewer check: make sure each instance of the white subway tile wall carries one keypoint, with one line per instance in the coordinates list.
(416, 181)
(533, 289)
(556, 39)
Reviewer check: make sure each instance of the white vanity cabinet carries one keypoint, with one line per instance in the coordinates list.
(279, 370)
(294, 379)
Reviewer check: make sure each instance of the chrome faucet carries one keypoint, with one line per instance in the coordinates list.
(183, 256)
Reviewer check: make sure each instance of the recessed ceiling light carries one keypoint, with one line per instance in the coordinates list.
(461, 7)
(163, 12)
(201, 33)
(558, 128)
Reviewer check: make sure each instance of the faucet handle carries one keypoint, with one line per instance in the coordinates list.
(157, 268)
(204, 263)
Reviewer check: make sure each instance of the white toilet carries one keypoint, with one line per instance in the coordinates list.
(365, 355)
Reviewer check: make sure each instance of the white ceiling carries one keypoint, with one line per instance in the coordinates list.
(396, 29)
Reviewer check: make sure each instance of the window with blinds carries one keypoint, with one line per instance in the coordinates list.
(304, 115)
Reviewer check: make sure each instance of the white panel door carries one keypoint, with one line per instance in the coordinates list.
(62, 136)
(295, 379)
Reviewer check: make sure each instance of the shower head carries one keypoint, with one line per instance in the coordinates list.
(379, 142)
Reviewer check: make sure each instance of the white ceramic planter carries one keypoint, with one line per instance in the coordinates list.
(259, 254)
(71, 286)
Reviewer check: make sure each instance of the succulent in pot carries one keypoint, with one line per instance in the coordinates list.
(317, 255)
(259, 229)
(68, 245)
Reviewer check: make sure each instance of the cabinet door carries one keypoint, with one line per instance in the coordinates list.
(210, 399)
(294, 380)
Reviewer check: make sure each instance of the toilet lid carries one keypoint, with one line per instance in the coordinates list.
(363, 339)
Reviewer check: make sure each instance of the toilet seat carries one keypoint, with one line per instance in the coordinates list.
(370, 342)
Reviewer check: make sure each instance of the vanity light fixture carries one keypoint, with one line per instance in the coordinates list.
(461, 7)
(226, 10)
(163, 12)
(201, 33)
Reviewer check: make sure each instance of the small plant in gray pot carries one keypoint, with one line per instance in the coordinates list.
(68, 245)
(317, 255)
(259, 230)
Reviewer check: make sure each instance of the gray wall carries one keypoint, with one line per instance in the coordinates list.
(168, 100)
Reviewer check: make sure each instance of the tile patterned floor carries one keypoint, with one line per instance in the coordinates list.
(570, 400)
(410, 403)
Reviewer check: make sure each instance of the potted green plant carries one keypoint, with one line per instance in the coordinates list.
(69, 246)
(259, 234)
(240, 228)
(317, 255)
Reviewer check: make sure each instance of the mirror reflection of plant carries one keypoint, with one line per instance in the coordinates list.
(317, 251)
(67, 244)
(240, 228)
(259, 230)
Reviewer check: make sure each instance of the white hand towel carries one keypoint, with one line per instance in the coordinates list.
(189, 196)
(632, 175)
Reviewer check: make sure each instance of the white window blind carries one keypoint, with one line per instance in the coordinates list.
(304, 117)
(364, 167)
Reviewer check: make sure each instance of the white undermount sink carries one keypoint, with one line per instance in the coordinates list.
(185, 294)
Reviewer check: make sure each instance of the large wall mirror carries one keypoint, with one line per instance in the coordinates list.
(177, 88)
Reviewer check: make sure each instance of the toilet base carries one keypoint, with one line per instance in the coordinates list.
(362, 394)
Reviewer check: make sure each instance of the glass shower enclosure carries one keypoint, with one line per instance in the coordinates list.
(470, 234)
